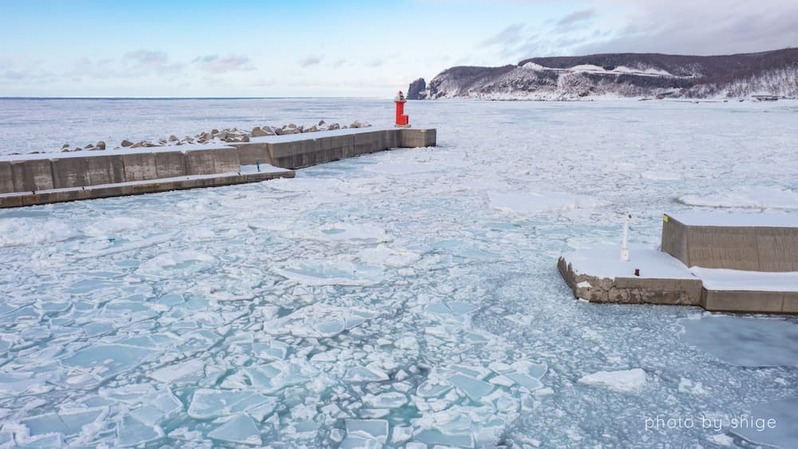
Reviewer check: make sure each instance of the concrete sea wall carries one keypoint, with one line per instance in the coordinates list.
(55, 177)
(68, 170)
(303, 150)
(630, 290)
(749, 247)
(749, 301)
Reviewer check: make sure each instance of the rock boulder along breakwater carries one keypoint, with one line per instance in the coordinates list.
(214, 136)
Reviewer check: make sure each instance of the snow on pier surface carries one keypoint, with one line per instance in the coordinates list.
(402, 299)
(723, 279)
(770, 220)
(116, 152)
(604, 262)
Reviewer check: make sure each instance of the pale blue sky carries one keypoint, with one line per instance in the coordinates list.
(343, 48)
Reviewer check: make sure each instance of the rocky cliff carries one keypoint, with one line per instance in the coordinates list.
(417, 90)
(625, 75)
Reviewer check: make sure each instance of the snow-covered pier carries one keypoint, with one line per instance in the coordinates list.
(43, 178)
(734, 263)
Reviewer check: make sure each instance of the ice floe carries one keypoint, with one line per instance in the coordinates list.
(241, 429)
(328, 272)
(106, 361)
(207, 404)
(624, 380)
(28, 231)
(537, 202)
(750, 197)
(320, 321)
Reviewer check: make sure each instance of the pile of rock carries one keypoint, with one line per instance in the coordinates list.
(230, 135)
(99, 146)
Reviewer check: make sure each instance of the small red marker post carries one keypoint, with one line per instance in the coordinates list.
(402, 120)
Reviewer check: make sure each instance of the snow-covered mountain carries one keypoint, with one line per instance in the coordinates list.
(772, 73)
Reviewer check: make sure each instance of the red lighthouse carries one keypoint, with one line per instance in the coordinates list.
(402, 120)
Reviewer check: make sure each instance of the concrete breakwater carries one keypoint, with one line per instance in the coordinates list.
(56, 177)
(731, 263)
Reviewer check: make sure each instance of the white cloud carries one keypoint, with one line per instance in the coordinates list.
(701, 27)
(510, 35)
(653, 26)
(223, 64)
(23, 68)
(149, 61)
(309, 61)
(576, 17)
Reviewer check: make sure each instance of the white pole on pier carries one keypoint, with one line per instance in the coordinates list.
(625, 242)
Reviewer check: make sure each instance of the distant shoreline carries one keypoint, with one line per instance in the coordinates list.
(180, 98)
(446, 99)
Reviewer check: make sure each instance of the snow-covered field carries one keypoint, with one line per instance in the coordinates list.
(406, 299)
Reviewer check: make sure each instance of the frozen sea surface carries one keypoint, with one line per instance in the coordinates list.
(403, 299)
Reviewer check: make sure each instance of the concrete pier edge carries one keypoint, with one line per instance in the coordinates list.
(23, 199)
